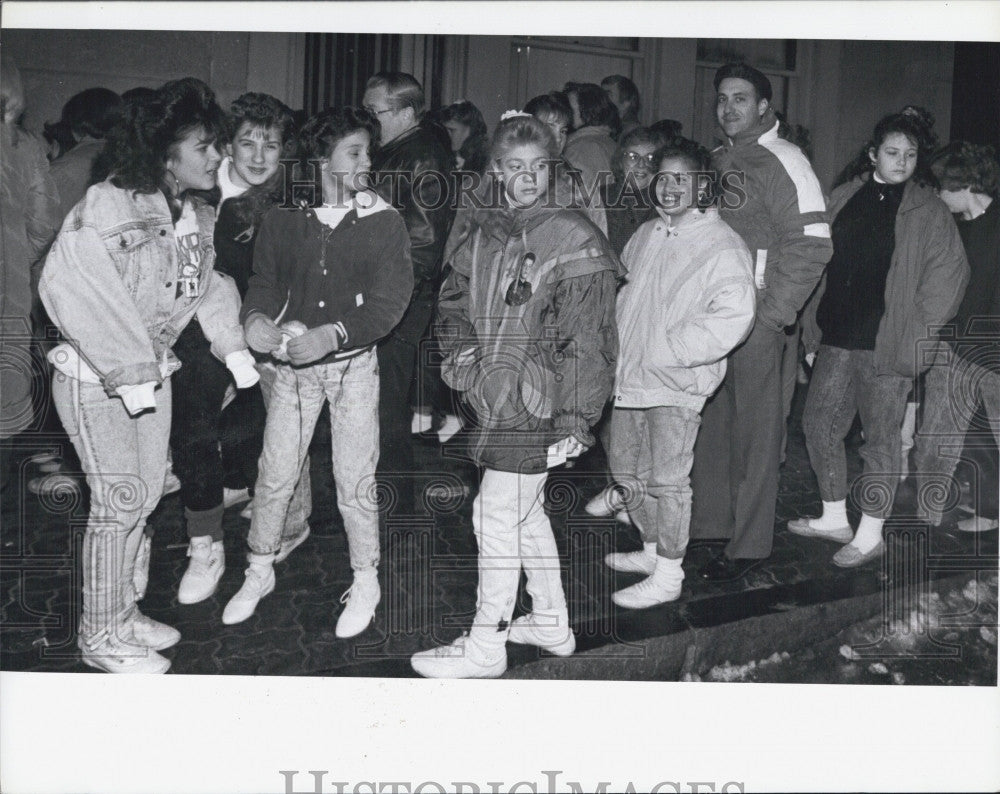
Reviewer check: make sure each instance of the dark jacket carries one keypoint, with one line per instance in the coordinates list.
(356, 276)
(422, 201)
(542, 371)
(782, 219)
(926, 281)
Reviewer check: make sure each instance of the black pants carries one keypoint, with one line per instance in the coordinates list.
(397, 363)
(197, 425)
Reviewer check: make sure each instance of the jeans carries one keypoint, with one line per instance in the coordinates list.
(125, 460)
(844, 383)
(652, 450)
(300, 506)
(296, 398)
(738, 450)
(513, 531)
(953, 388)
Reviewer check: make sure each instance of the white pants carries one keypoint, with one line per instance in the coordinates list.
(513, 531)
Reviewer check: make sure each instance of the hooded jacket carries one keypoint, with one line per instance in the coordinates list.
(688, 302)
(927, 279)
(538, 372)
(780, 215)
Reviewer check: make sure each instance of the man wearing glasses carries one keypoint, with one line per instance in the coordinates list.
(410, 169)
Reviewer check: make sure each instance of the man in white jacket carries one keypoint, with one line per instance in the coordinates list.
(688, 302)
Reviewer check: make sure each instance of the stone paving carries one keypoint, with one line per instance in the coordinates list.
(428, 577)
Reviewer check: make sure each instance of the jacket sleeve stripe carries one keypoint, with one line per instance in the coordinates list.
(794, 163)
(816, 230)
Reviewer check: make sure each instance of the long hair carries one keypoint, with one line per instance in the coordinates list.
(914, 123)
(475, 149)
(141, 143)
(596, 109)
(320, 134)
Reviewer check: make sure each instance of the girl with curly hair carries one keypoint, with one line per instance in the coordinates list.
(131, 267)
(337, 276)
(898, 273)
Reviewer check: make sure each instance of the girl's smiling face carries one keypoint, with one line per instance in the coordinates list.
(675, 186)
(347, 166)
(524, 170)
(256, 153)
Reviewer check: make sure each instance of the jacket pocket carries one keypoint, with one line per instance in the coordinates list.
(134, 252)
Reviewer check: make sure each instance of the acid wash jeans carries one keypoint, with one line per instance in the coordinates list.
(652, 451)
(953, 387)
(513, 531)
(296, 398)
(125, 460)
(844, 383)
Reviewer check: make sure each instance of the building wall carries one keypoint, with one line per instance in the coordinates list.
(55, 64)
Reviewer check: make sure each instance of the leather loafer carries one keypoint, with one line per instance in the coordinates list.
(801, 526)
(850, 557)
(722, 569)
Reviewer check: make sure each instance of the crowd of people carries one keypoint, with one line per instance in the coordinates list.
(573, 279)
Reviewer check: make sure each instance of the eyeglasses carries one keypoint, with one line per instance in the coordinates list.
(634, 157)
(379, 112)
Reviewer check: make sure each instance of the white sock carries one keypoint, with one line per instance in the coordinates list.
(869, 533)
(834, 516)
(649, 549)
(261, 563)
(668, 573)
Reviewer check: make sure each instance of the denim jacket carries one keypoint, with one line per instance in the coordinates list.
(110, 284)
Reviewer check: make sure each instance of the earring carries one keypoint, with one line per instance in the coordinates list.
(177, 183)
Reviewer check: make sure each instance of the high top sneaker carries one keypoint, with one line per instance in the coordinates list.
(549, 630)
(112, 655)
(259, 582)
(464, 658)
(360, 598)
(643, 561)
(205, 568)
(661, 586)
(152, 634)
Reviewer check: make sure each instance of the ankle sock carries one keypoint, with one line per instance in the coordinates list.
(649, 549)
(869, 533)
(834, 516)
(668, 573)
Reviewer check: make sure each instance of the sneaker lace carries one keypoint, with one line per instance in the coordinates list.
(346, 595)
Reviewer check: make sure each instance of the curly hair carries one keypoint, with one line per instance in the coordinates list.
(913, 123)
(321, 133)
(596, 109)
(700, 161)
(262, 111)
(475, 149)
(967, 165)
(141, 143)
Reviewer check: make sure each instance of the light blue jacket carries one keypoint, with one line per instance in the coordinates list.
(110, 284)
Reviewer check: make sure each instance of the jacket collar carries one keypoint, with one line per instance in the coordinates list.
(401, 140)
(914, 195)
(766, 129)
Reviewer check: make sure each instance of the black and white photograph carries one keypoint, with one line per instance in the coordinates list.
(499, 396)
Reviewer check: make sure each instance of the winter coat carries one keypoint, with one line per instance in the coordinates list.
(926, 282)
(109, 284)
(689, 300)
(428, 213)
(780, 215)
(542, 371)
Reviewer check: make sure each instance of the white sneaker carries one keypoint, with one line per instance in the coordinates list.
(549, 631)
(623, 517)
(452, 424)
(140, 576)
(170, 483)
(977, 524)
(205, 568)
(607, 503)
(153, 634)
(259, 582)
(647, 593)
(462, 659)
(50, 467)
(290, 545)
(631, 561)
(247, 512)
(361, 599)
(115, 656)
(421, 423)
(234, 496)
